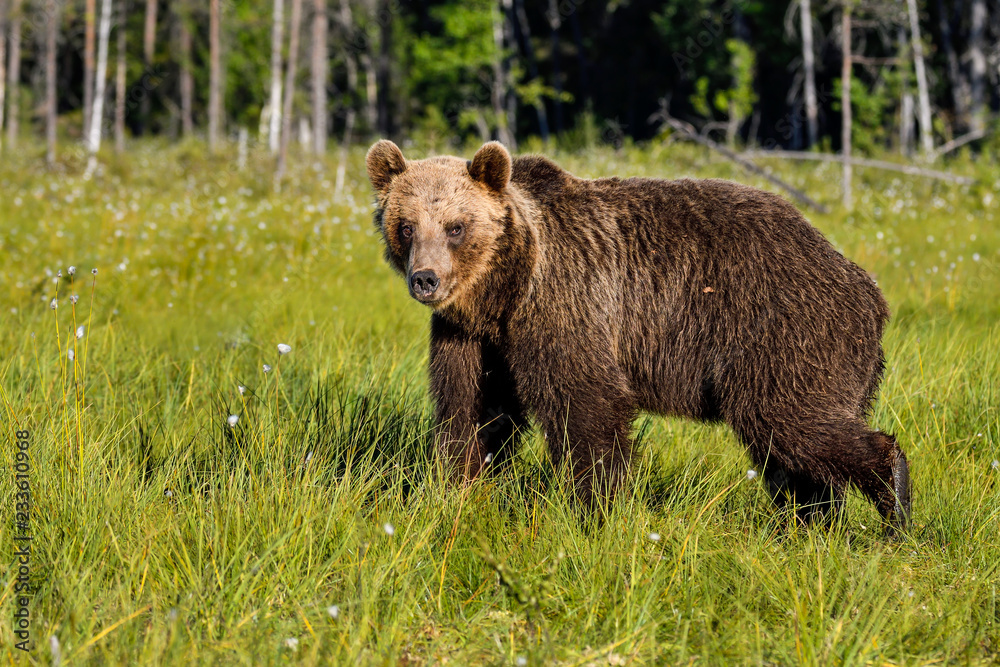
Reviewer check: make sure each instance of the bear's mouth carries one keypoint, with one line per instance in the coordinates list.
(435, 299)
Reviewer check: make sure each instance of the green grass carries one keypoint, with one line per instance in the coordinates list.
(163, 536)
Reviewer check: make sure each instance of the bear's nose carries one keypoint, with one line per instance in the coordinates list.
(423, 284)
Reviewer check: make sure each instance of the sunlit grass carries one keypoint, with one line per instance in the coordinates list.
(167, 532)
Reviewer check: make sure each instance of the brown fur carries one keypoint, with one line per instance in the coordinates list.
(584, 301)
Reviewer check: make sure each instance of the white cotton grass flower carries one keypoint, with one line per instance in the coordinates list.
(232, 420)
(55, 649)
(243, 390)
(334, 611)
(54, 304)
(995, 465)
(521, 661)
(71, 354)
(284, 349)
(751, 474)
(489, 457)
(80, 331)
(73, 299)
(654, 537)
(389, 529)
(267, 368)
(94, 271)
(292, 643)
(71, 270)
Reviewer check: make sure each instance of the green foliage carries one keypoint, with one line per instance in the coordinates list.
(164, 536)
(871, 106)
(451, 68)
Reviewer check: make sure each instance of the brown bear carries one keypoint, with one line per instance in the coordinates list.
(582, 302)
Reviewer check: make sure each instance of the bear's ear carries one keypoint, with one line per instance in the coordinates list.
(491, 166)
(384, 161)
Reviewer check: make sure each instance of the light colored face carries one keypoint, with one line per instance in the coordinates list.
(441, 226)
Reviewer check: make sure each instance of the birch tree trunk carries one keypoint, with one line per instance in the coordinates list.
(499, 80)
(809, 69)
(977, 65)
(215, 76)
(277, 42)
(290, 72)
(384, 17)
(845, 104)
(318, 67)
(89, 37)
(3, 64)
(100, 81)
(186, 78)
(14, 75)
(371, 92)
(926, 137)
(120, 80)
(51, 110)
(906, 101)
(148, 51)
(347, 97)
(510, 97)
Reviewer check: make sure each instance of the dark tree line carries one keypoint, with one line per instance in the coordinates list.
(920, 73)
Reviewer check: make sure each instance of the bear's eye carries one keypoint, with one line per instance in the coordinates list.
(406, 231)
(456, 231)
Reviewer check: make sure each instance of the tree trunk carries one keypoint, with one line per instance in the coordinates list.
(809, 69)
(186, 78)
(555, 20)
(384, 18)
(51, 101)
(214, 75)
(318, 67)
(510, 96)
(845, 103)
(289, 96)
(148, 51)
(529, 51)
(100, 81)
(371, 92)
(347, 97)
(926, 137)
(277, 42)
(499, 80)
(959, 87)
(977, 65)
(3, 64)
(120, 79)
(14, 75)
(906, 102)
(89, 37)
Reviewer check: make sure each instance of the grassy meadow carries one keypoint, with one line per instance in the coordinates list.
(190, 508)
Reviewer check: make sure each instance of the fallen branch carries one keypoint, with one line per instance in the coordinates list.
(690, 133)
(959, 142)
(864, 162)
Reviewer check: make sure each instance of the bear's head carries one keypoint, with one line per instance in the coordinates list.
(442, 218)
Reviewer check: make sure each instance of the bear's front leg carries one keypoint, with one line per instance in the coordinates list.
(588, 425)
(478, 416)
